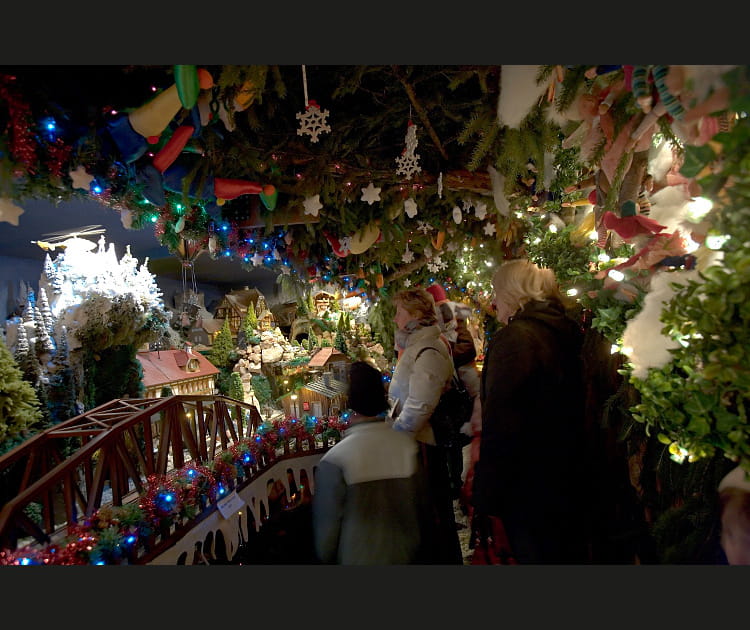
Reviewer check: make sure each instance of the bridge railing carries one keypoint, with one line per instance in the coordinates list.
(114, 456)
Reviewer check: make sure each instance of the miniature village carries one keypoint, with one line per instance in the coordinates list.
(97, 329)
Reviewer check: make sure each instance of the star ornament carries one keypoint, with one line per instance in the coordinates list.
(312, 205)
(81, 179)
(9, 211)
(257, 259)
(371, 194)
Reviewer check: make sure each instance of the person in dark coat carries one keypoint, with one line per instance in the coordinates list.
(532, 449)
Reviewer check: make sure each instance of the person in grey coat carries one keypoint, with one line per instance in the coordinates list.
(367, 494)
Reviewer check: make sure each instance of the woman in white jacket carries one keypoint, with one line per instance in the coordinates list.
(422, 372)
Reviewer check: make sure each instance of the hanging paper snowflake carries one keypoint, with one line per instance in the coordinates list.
(408, 161)
(408, 255)
(480, 210)
(424, 227)
(313, 121)
(407, 283)
(489, 229)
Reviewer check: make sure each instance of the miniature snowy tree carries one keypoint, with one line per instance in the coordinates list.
(46, 311)
(43, 344)
(19, 406)
(28, 310)
(222, 347)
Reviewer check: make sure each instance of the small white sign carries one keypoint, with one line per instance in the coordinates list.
(230, 504)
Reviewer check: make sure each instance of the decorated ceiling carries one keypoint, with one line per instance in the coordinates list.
(374, 176)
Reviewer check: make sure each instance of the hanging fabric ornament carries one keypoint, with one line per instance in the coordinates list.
(408, 161)
(313, 120)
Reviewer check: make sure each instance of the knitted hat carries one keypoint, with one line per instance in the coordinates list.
(437, 292)
(735, 478)
(366, 390)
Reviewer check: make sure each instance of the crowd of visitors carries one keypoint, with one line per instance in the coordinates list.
(385, 493)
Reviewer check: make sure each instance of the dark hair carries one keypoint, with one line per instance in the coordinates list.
(366, 389)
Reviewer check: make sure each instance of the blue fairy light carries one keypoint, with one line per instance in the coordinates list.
(191, 472)
(130, 539)
(25, 562)
(96, 189)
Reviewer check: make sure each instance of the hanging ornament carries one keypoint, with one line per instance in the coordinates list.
(410, 207)
(408, 161)
(312, 205)
(313, 120)
(480, 210)
(371, 194)
(457, 215)
(440, 185)
(408, 255)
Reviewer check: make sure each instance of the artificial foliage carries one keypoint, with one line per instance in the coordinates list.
(19, 405)
(222, 347)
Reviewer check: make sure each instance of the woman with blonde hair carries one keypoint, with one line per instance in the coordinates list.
(423, 370)
(529, 476)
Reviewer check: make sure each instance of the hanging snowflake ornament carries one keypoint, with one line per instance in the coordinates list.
(313, 120)
(408, 161)
(489, 229)
(408, 255)
(480, 210)
(370, 194)
(424, 227)
(407, 283)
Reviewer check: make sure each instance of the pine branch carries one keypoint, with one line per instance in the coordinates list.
(420, 111)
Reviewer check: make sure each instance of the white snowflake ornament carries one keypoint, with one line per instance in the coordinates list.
(489, 229)
(313, 121)
(408, 255)
(480, 210)
(371, 194)
(407, 283)
(408, 161)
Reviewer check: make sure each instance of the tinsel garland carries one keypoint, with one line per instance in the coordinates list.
(20, 122)
(113, 533)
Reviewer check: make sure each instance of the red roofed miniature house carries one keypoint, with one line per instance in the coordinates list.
(183, 371)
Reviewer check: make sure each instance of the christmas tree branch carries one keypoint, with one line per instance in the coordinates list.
(420, 110)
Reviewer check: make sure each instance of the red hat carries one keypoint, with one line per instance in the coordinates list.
(437, 292)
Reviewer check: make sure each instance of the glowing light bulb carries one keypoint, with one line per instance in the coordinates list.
(616, 275)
